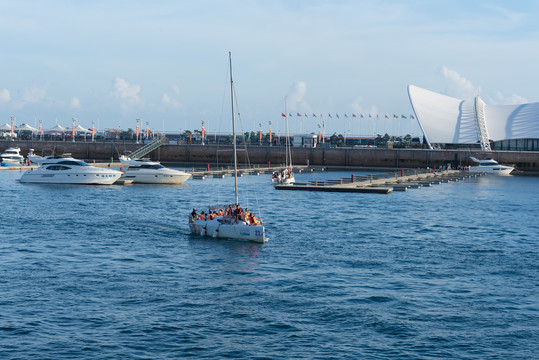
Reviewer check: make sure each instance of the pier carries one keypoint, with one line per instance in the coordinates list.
(381, 184)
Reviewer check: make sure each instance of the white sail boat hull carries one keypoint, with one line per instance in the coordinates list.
(217, 229)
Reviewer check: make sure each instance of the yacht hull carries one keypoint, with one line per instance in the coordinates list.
(87, 178)
(217, 229)
(496, 170)
(156, 178)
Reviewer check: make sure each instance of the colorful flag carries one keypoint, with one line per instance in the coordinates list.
(402, 116)
(395, 116)
(305, 115)
(337, 116)
(412, 117)
(354, 115)
(314, 115)
(387, 116)
(298, 114)
(329, 115)
(289, 114)
(370, 115)
(283, 115)
(345, 115)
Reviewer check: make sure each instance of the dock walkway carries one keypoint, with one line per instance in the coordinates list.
(381, 184)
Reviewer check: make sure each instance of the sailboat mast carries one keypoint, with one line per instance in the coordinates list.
(233, 131)
(287, 149)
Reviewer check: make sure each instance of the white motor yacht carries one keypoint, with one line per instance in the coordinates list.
(70, 171)
(490, 166)
(149, 172)
(12, 156)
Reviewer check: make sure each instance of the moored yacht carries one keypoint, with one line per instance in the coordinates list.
(490, 166)
(149, 172)
(70, 171)
(12, 156)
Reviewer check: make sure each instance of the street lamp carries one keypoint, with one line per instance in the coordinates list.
(73, 129)
(137, 131)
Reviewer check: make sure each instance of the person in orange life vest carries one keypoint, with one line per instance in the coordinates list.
(247, 215)
(202, 216)
(220, 213)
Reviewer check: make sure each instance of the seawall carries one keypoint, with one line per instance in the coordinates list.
(192, 155)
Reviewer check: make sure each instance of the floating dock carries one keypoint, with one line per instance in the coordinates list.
(381, 184)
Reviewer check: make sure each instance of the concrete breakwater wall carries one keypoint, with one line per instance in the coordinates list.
(221, 155)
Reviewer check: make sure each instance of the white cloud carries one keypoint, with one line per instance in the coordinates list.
(31, 95)
(459, 86)
(127, 93)
(170, 102)
(75, 103)
(296, 97)
(513, 99)
(34, 94)
(4, 95)
(356, 104)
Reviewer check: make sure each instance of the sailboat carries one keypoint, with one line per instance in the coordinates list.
(285, 176)
(229, 221)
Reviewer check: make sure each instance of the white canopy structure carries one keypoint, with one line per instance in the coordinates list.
(79, 128)
(26, 127)
(5, 127)
(57, 128)
(444, 119)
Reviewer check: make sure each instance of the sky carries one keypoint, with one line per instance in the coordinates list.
(166, 62)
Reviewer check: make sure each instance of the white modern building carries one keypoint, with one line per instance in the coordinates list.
(447, 120)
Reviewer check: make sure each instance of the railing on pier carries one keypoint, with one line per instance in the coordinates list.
(148, 148)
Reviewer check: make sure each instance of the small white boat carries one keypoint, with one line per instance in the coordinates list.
(226, 226)
(70, 171)
(285, 177)
(12, 156)
(149, 172)
(490, 166)
(232, 226)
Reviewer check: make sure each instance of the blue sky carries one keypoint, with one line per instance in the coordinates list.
(165, 62)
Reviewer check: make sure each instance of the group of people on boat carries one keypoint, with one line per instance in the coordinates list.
(281, 176)
(231, 215)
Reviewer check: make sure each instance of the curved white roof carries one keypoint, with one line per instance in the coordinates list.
(445, 119)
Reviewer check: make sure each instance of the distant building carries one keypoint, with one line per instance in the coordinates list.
(447, 120)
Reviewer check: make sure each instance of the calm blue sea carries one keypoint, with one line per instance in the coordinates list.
(111, 272)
